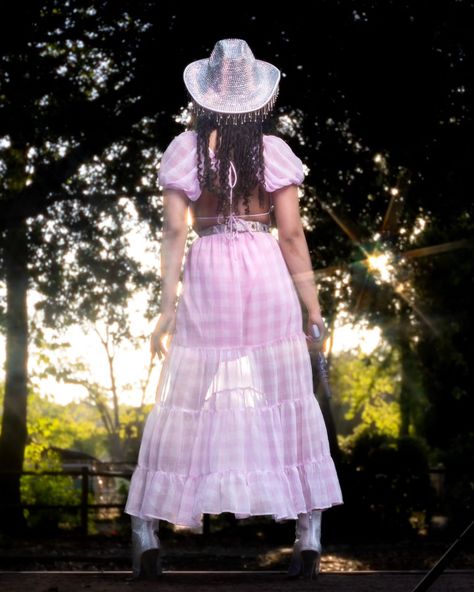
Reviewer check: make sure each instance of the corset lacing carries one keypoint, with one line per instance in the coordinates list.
(232, 224)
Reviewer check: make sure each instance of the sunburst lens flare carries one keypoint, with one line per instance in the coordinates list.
(381, 264)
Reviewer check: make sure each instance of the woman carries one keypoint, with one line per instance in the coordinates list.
(236, 426)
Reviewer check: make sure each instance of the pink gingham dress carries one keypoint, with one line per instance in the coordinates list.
(236, 426)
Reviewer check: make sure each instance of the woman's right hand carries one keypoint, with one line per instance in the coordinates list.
(315, 345)
(166, 326)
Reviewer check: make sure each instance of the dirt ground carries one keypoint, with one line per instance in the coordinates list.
(225, 561)
(450, 581)
(223, 553)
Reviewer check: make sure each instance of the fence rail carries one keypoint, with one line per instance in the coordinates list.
(85, 473)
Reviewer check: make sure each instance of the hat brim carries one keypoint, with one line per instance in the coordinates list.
(195, 80)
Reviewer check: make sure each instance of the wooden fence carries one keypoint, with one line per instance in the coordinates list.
(86, 474)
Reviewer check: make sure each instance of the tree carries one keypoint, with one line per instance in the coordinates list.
(56, 359)
(76, 134)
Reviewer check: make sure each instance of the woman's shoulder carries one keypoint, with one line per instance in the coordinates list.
(184, 138)
(282, 166)
(274, 140)
(265, 136)
(178, 166)
(277, 148)
(188, 134)
(182, 146)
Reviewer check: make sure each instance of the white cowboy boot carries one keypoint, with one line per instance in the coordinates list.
(296, 562)
(146, 561)
(306, 557)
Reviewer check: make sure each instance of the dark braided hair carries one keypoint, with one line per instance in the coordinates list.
(243, 144)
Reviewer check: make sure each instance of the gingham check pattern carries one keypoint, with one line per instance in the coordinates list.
(236, 426)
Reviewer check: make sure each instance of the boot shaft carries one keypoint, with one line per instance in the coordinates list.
(308, 530)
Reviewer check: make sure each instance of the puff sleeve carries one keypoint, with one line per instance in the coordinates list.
(282, 166)
(178, 169)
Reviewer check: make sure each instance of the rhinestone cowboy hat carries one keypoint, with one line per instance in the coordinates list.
(231, 84)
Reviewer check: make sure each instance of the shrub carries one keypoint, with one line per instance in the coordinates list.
(387, 485)
(48, 490)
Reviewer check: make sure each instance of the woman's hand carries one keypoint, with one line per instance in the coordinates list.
(315, 345)
(166, 325)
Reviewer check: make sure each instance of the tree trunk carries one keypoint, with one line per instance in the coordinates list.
(14, 432)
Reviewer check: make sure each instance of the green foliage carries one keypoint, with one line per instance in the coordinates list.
(367, 389)
(132, 424)
(78, 426)
(458, 489)
(48, 489)
(444, 285)
(75, 425)
(387, 486)
(57, 360)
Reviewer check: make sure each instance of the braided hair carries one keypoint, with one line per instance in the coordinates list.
(243, 144)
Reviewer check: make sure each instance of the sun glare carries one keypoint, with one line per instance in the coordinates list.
(382, 265)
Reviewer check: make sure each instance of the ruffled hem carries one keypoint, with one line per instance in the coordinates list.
(248, 460)
(283, 493)
(234, 430)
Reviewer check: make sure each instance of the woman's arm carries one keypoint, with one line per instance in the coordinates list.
(294, 247)
(295, 251)
(175, 231)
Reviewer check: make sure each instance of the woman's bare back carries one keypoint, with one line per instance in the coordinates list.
(203, 210)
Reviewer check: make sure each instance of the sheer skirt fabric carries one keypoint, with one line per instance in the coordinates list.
(236, 426)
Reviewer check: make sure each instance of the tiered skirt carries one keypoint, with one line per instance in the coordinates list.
(236, 426)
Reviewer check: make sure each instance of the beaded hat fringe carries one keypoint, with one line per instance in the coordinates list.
(258, 115)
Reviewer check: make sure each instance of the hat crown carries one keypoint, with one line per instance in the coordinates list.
(231, 49)
(232, 67)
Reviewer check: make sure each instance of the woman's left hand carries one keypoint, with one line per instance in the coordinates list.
(166, 325)
(315, 345)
